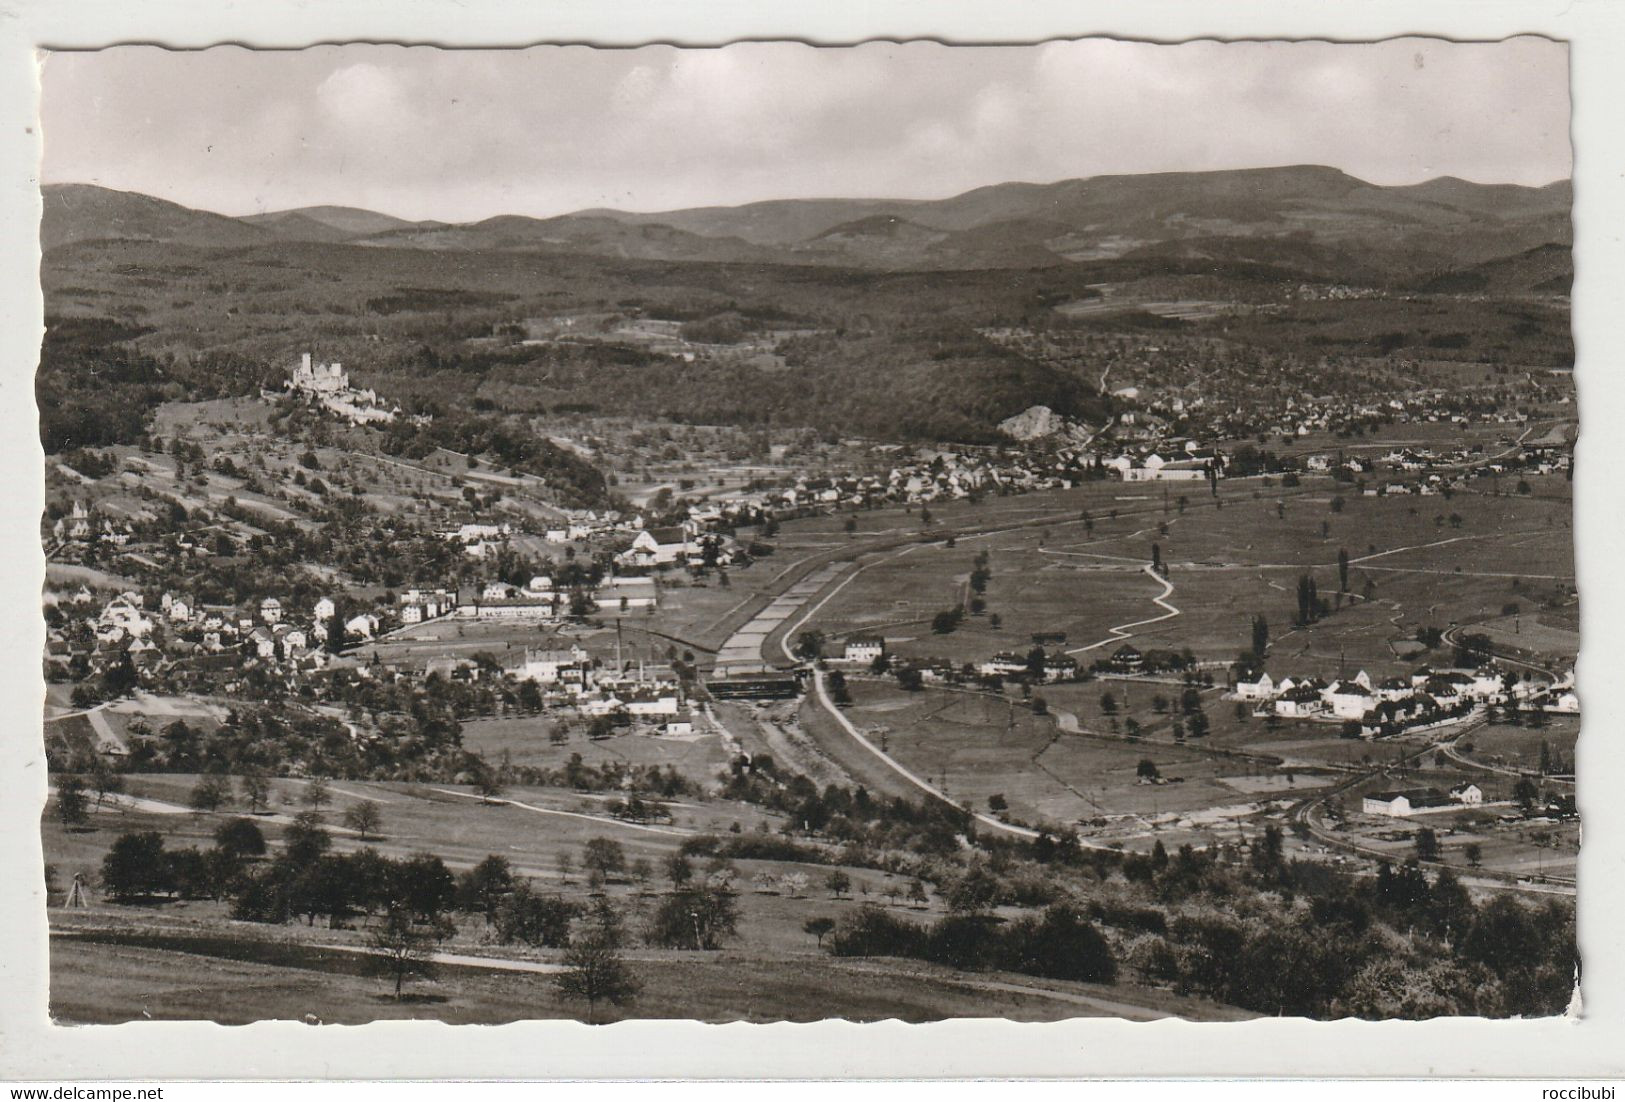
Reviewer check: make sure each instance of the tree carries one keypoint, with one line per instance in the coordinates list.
(594, 971)
(1525, 792)
(240, 837)
(818, 928)
(364, 818)
(809, 645)
(838, 882)
(209, 794)
(104, 779)
(603, 856)
(401, 949)
(1474, 854)
(697, 918)
(1147, 770)
(482, 888)
(256, 789)
(1261, 636)
(136, 866)
(1427, 844)
(916, 892)
(1108, 704)
(1343, 569)
(71, 805)
(680, 871)
(536, 920)
(317, 794)
(487, 782)
(997, 804)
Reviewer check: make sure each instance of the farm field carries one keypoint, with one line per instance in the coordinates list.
(97, 982)
(1409, 568)
(1503, 745)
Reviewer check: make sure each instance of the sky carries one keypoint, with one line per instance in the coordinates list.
(459, 135)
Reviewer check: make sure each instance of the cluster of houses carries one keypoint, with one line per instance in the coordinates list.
(178, 628)
(83, 525)
(570, 677)
(862, 651)
(540, 600)
(1424, 696)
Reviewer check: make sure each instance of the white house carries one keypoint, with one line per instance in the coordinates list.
(1261, 689)
(658, 547)
(363, 626)
(863, 649)
(324, 609)
(1299, 702)
(271, 610)
(544, 666)
(1348, 699)
(1469, 794)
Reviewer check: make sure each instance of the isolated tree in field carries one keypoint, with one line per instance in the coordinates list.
(1525, 792)
(1545, 759)
(595, 972)
(1474, 854)
(104, 780)
(698, 918)
(680, 871)
(996, 803)
(818, 928)
(1108, 704)
(136, 866)
(364, 818)
(810, 645)
(1147, 770)
(256, 789)
(1156, 556)
(487, 782)
(1261, 636)
(838, 883)
(401, 949)
(209, 794)
(317, 794)
(604, 856)
(1343, 569)
(71, 805)
(240, 838)
(916, 892)
(1427, 844)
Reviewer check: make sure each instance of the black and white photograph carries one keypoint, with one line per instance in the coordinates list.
(778, 533)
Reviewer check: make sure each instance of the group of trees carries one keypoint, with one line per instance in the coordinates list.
(1061, 943)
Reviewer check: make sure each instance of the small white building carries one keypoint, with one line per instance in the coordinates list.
(863, 649)
(1261, 689)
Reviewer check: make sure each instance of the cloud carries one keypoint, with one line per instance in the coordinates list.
(455, 134)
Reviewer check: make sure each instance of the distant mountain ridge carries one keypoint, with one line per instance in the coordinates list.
(1303, 217)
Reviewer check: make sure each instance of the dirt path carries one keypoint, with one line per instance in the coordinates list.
(679, 832)
(1121, 630)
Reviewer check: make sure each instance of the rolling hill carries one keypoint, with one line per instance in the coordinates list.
(1312, 220)
(84, 212)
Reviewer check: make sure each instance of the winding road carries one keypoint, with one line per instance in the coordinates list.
(1121, 630)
